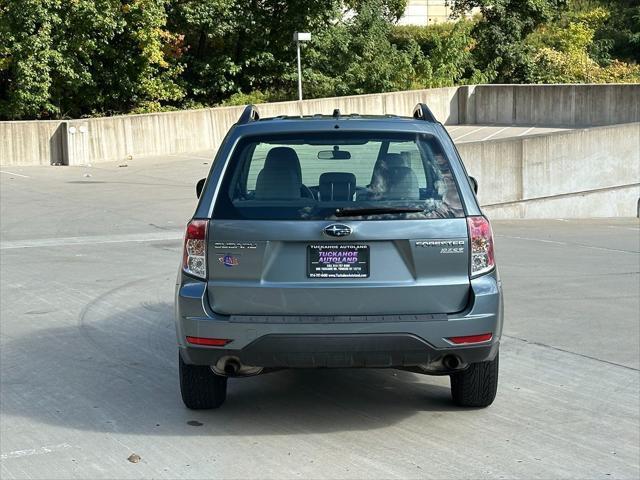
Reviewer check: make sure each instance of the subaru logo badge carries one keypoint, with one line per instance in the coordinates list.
(337, 230)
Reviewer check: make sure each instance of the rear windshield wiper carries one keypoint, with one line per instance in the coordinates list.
(350, 212)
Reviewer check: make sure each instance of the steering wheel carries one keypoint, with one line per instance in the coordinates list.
(306, 192)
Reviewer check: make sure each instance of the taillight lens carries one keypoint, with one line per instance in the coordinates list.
(483, 337)
(210, 342)
(195, 249)
(482, 260)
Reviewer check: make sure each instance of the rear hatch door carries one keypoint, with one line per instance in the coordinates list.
(285, 267)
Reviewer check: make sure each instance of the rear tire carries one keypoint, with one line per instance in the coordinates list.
(200, 387)
(477, 385)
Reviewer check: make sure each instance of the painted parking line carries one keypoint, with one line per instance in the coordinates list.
(92, 240)
(12, 173)
(570, 244)
(34, 451)
(494, 134)
(526, 131)
(191, 157)
(469, 133)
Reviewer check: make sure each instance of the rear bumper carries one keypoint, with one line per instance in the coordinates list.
(341, 351)
(388, 341)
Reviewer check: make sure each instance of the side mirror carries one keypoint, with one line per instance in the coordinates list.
(474, 184)
(200, 186)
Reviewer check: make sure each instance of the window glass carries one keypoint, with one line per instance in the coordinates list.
(316, 176)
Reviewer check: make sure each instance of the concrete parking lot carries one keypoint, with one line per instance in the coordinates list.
(88, 364)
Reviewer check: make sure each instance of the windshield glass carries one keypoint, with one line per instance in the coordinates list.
(331, 175)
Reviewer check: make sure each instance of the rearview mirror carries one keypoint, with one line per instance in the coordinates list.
(200, 186)
(334, 154)
(474, 184)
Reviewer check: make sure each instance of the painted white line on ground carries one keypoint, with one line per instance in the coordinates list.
(34, 451)
(92, 240)
(625, 228)
(198, 157)
(453, 129)
(469, 133)
(526, 131)
(556, 242)
(12, 173)
(494, 134)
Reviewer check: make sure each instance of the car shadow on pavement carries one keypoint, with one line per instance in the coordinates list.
(115, 370)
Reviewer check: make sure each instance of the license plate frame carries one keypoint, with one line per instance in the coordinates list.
(338, 260)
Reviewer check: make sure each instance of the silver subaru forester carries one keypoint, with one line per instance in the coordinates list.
(333, 241)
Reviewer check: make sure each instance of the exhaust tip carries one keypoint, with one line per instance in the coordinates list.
(451, 362)
(231, 367)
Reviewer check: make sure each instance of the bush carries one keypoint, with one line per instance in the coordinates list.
(447, 50)
(564, 52)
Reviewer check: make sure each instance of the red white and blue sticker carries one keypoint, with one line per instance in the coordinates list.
(229, 260)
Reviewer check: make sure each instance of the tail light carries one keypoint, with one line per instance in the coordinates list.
(482, 260)
(195, 249)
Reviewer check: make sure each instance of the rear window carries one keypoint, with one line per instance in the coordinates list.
(333, 175)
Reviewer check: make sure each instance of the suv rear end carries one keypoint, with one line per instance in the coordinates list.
(338, 241)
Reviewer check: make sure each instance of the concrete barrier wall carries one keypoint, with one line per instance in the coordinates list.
(103, 139)
(614, 202)
(94, 140)
(32, 143)
(580, 173)
(550, 105)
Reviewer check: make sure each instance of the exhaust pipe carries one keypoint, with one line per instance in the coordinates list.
(232, 367)
(451, 362)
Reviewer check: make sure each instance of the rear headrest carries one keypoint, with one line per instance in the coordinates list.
(283, 158)
(396, 160)
(401, 183)
(338, 186)
(390, 160)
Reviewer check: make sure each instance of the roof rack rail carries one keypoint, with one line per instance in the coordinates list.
(249, 114)
(422, 112)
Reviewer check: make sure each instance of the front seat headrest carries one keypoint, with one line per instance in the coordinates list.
(283, 157)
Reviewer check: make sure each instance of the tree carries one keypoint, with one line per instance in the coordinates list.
(501, 50)
(355, 56)
(61, 59)
(237, 46)
(447, 49)
(567, 51)
(622, 30)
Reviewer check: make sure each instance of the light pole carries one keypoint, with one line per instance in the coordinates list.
(300, 37)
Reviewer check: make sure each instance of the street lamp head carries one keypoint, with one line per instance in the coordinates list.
(301, 36)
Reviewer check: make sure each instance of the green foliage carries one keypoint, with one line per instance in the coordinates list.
(254, 97)
(242, 46)
(355, 56)
(566, 51)
(74, 58)
(501, 32)
(447, 50)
